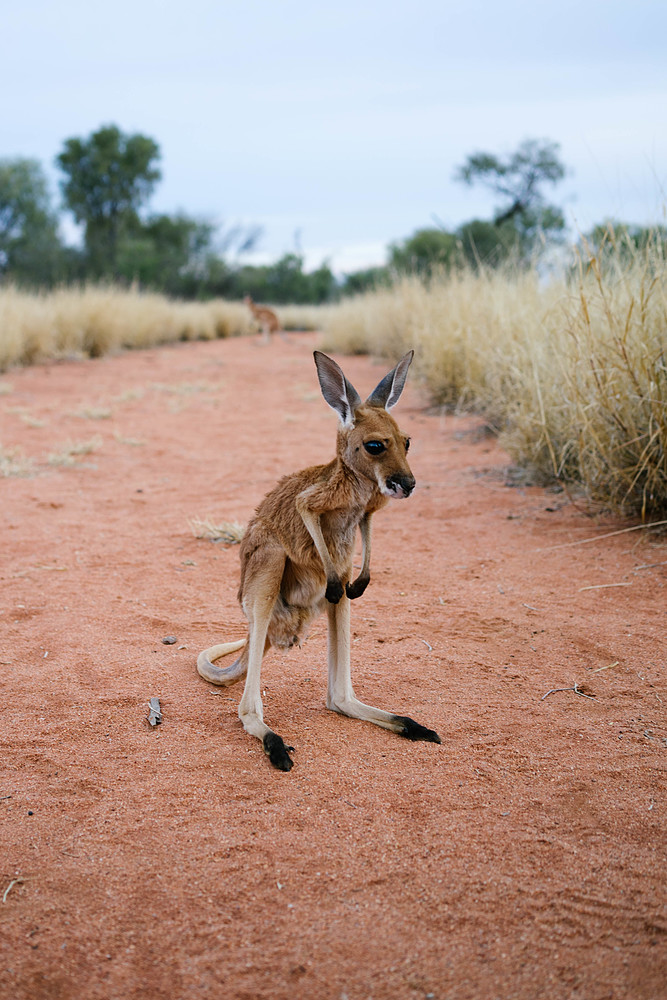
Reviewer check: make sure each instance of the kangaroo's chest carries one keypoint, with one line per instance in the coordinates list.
(340, 531)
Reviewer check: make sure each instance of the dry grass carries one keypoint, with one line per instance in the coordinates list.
(133, 442)
(301, 317)
(182, 388)
(93, 413)
(611, 433)
(14, 463)
(30, 421)
(93, 321)
(96, 320)
(572, 373)
(228, 532)
(69, 452)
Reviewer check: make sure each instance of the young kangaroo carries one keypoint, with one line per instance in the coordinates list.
(266, 318)
(296, 555)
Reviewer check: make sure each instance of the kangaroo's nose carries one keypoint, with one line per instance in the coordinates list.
(401, 485)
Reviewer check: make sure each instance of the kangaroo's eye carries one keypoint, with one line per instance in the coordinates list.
(407, 445)
(374, 447)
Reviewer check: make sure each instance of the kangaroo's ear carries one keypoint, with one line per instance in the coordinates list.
(337, 391)
(387, 393)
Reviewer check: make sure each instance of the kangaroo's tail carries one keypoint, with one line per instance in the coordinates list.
(222, 675)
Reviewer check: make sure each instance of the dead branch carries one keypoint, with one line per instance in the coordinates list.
(574, 688)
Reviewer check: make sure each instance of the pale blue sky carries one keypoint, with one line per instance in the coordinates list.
(345, 122)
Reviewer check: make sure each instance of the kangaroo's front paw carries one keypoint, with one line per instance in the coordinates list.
(357, 588)
(334, 590)
(276, 750)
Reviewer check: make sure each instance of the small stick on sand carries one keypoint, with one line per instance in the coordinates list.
(575, 689)
(599, 538)
(14, 881)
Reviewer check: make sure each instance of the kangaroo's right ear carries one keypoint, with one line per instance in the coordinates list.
(387, 393)
(337, 391)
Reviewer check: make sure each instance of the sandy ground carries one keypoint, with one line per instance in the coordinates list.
(522, 858)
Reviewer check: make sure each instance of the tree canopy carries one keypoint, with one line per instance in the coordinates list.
(30, 248)
(518, 179)
(425, 250)
(108, 177)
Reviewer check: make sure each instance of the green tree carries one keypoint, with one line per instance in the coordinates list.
(425, 250)
(485, 244)
(30, 249)
(624, 240)
(183, 256)
(109, 176)
(366, 280)
(284, 281)
(166, 253)
(518, 180)
(322, 284)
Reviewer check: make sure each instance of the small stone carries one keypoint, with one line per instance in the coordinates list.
(169, 640)
(155, 713)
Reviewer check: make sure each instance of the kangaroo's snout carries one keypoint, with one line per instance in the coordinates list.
(401, 486)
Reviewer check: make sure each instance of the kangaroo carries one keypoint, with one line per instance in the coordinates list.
(266, 318)
(296, 555)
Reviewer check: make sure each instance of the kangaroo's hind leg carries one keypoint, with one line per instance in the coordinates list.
(341, 697)
(261, 589)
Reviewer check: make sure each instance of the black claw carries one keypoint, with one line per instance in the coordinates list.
(413, 731)
(277, 752)
(357, 588)
(334, 591)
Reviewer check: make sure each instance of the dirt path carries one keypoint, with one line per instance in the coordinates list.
(523, 858)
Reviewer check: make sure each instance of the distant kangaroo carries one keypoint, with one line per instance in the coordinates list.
(266, 318)
(296, 555)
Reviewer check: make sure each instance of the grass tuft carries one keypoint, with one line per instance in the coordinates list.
(227, 532)
(14, 463)
(72, 450)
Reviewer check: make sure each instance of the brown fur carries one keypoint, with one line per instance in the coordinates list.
(266, 318)
(296, 555)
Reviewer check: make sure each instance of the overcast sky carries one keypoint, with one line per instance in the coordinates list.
(337, 127)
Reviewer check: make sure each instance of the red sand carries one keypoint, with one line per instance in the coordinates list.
(523, 858)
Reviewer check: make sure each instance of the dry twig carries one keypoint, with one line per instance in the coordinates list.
(574, 688)
(14, 881)
(599, 538)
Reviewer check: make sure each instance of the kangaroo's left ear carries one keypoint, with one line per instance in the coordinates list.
(337, 391)
(388, 392)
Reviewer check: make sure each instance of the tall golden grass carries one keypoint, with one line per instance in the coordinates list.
(301, 317)
(571, 372)
(92, 321)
